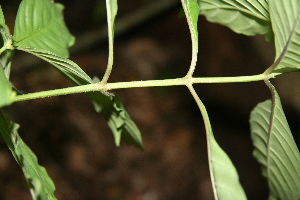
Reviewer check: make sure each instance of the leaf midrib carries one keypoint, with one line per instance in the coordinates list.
(54, 21)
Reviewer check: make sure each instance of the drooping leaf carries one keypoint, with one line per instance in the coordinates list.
(285, 17)
(275, 149)
(39, 24)
(65, 66)
(6, 93)
(242, 16)
(191, 10)
(40, 184)
(118, 119)
(224, 177)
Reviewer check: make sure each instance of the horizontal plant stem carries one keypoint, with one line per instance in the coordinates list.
(134, 84)
(185, 81)
(59, 92)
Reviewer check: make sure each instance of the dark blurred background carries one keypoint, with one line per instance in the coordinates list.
(152, 42)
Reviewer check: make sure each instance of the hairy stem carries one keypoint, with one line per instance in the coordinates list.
(111, 10)
(63, 91)
(134, 84)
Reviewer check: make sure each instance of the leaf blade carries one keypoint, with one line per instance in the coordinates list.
(275, 149)
(40, 184)
(285, 18)
(6, 92)
(242, 16)
(226, 185)
(39, 24)
(2, 20)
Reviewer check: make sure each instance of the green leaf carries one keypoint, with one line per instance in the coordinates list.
(6, 93)
(191, 10)
(2, 20)
(242, 16)
(275, 149)
(40, 184)
(65, 66)
(40, 24)
(118, 119)
(285, 17)
(224, 177)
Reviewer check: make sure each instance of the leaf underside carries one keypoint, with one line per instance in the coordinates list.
(225, 177)
(275, 150)
(285, 17)
(242, 16)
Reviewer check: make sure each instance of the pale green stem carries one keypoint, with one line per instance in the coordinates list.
(7, 41)
(134, 84)
(110, 23)
(194, 38)
(271, 123)
(208, 131)
(63, 91)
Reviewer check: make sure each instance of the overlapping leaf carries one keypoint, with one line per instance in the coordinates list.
(275, 149)
(40, 184)
(39, 24)
(118, 119)
(242, 16)
(285, 17)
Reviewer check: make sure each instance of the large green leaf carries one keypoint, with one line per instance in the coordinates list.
(224, 177)
(285, 17)
(242, 16)
(118, 119)
(6, 93)
(39, 24)
(37, 179)
(275, 149)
